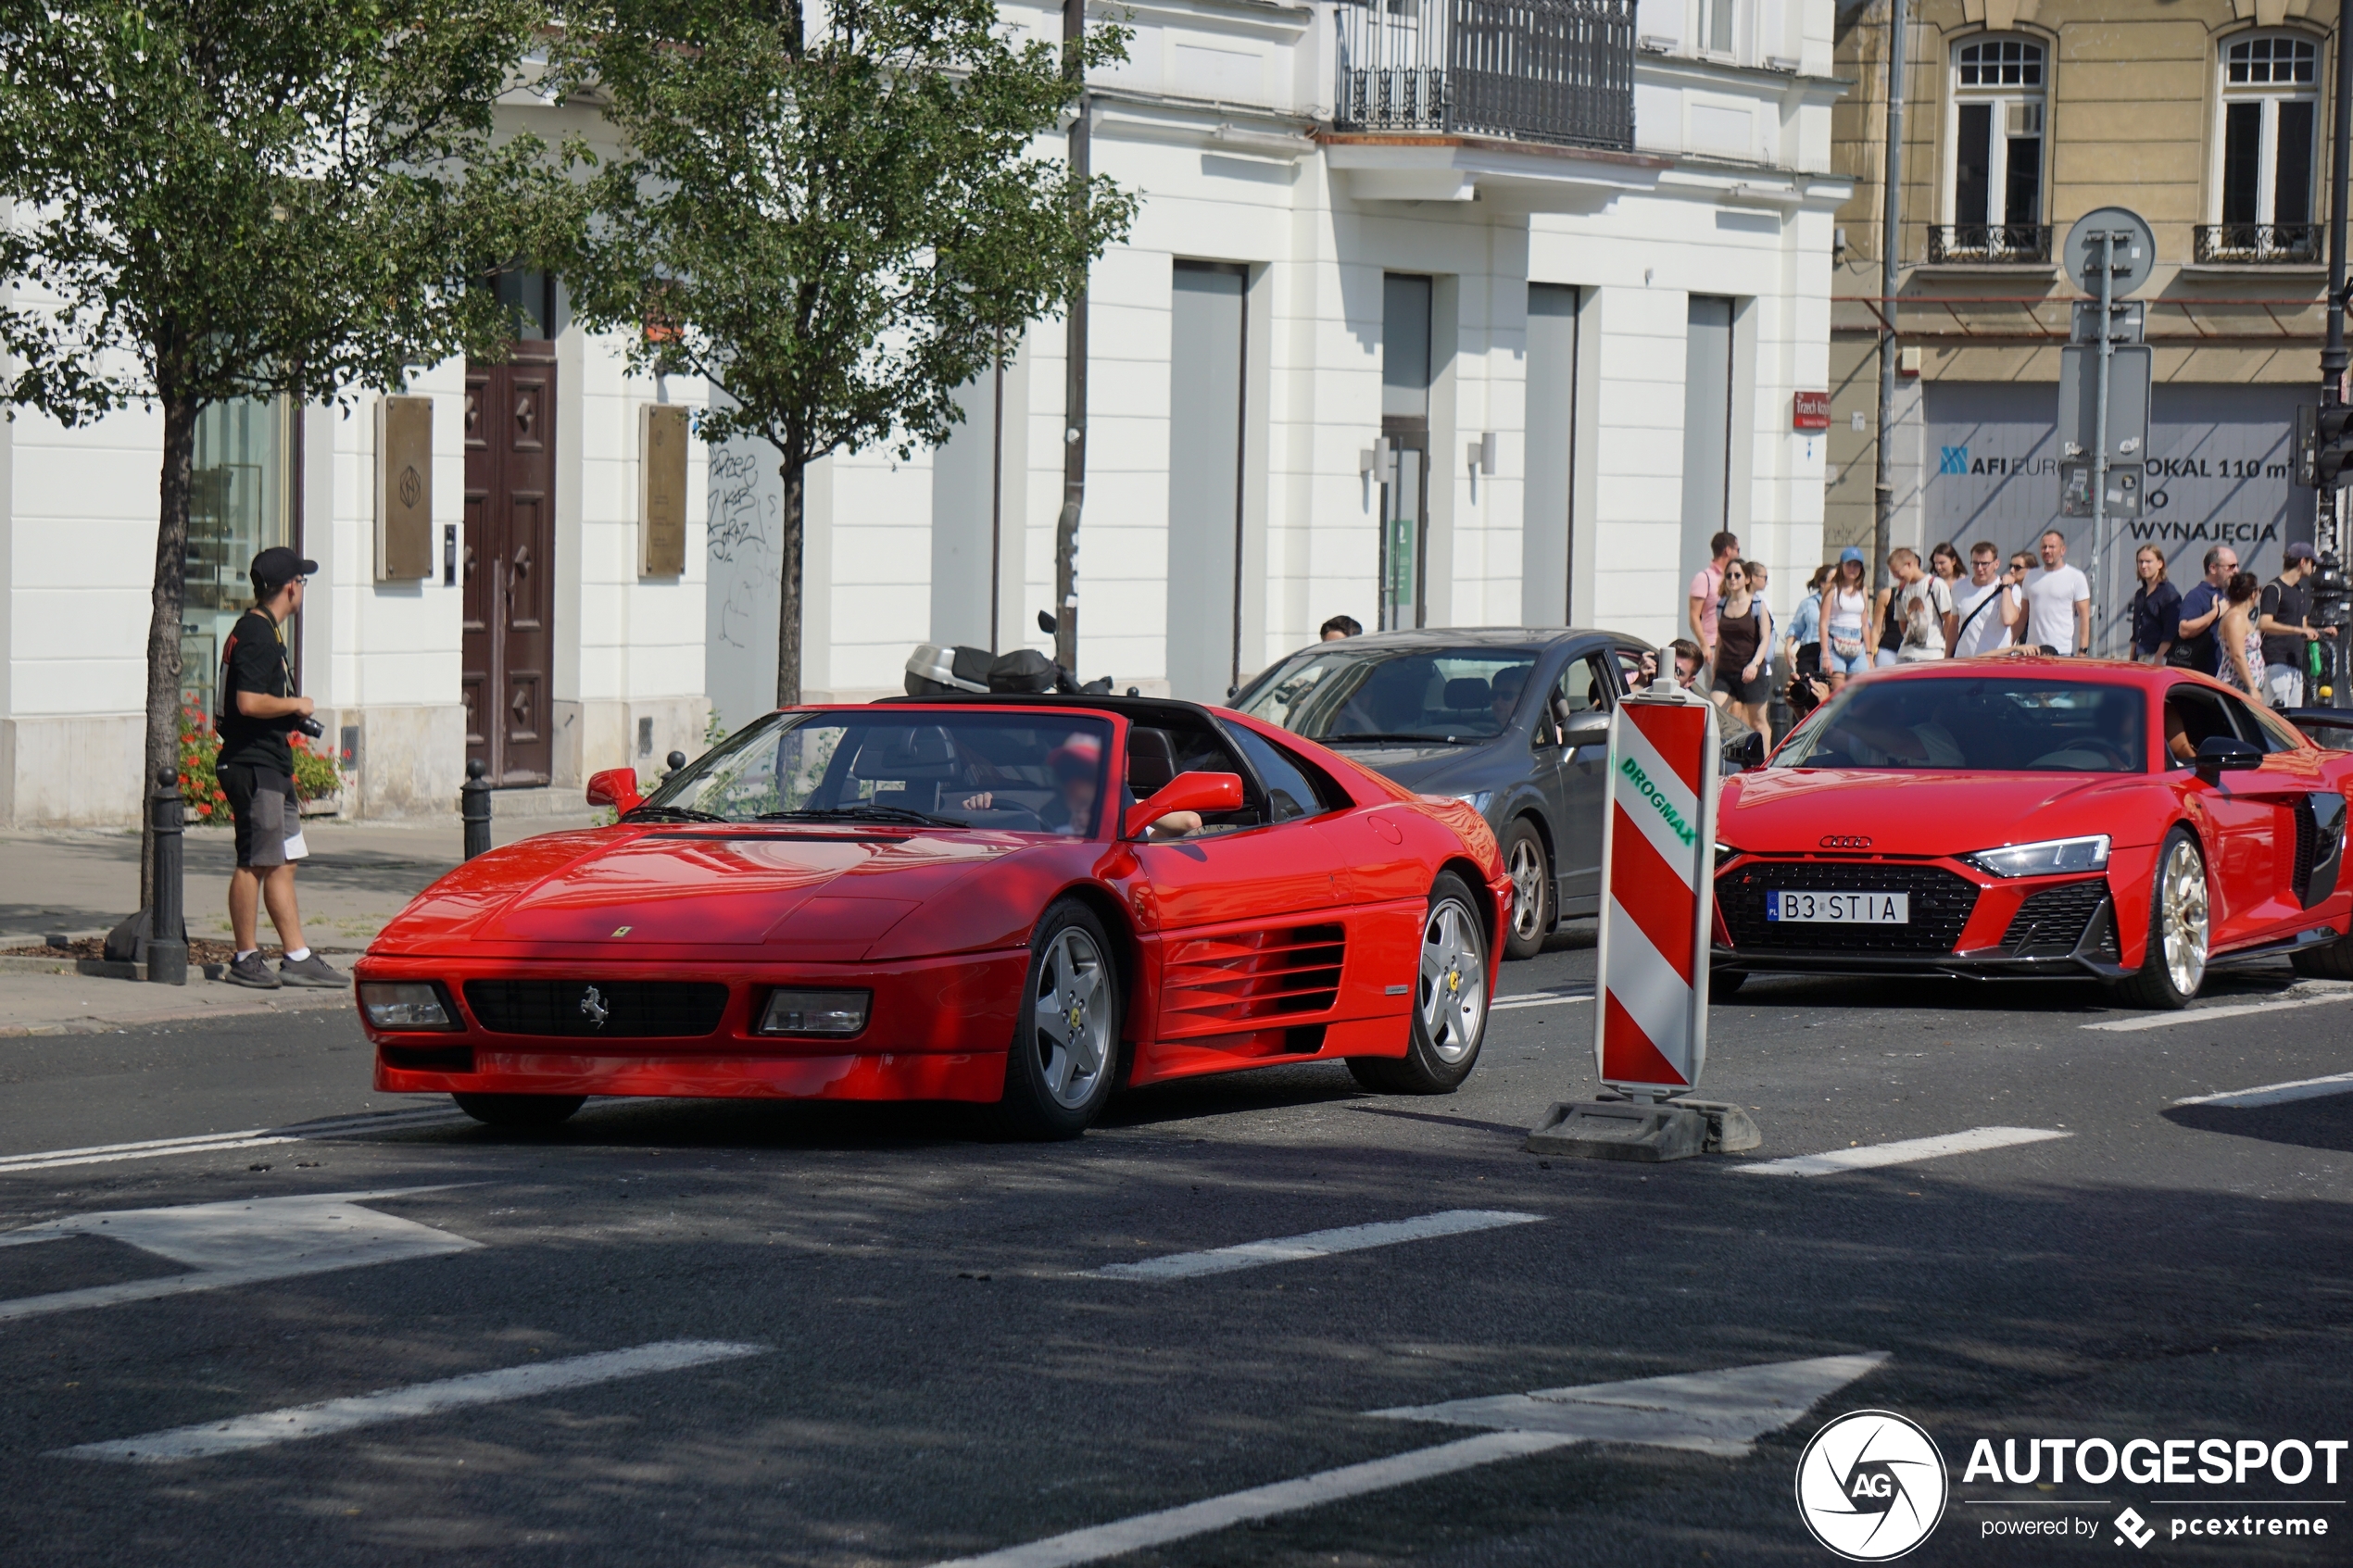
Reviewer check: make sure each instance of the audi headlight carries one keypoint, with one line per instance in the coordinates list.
(1725, 852)
(2049, 857)
(824, 1013)
(1477, 799)
(405, 1006)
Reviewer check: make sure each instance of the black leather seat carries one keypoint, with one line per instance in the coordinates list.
(1152, 761)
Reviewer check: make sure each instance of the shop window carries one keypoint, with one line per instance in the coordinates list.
(239, 505)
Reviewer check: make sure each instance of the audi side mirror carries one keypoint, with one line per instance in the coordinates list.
(1185, 792)
(616, 787)
(2227, 754)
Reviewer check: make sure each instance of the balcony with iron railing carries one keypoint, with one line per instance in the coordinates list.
(1558, 71)
(2258, 244)
(1989, 244)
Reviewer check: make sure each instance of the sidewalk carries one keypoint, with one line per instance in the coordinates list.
(81, 883)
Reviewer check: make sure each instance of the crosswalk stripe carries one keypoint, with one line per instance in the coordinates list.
(1903, 1153)
(1316, 1243)
(2276, 1094)
(250, 1137)
(2213, 1014)
(329, 1416)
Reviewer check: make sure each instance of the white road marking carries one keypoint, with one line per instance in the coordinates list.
(1903, 1153)
(2276, 1094)
(239, 1242)
(1316, 1243)
(329, 1416)
(1539, 999)
(2208, 1015)
(250, 1137)
(1720, 1413)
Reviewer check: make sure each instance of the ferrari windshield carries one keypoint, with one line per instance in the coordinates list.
(1339, 694)
(1987, 724)
(1025, 772)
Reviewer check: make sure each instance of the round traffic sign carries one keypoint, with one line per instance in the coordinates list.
(2135, 251)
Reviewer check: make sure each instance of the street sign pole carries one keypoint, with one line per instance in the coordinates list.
(1650, 1008)
(2099, 428)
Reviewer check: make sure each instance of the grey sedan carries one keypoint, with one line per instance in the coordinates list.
(1513, 720)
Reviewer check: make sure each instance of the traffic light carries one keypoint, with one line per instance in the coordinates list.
(2332, 445)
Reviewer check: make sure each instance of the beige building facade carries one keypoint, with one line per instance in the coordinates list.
(2209, 119)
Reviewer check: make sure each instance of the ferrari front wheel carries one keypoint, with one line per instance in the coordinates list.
(1064, 1060)
(2179, 929)
(520, 1112)
(1449, 1019)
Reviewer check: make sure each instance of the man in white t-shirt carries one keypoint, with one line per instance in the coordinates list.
(2059, 601)
(1977, 611)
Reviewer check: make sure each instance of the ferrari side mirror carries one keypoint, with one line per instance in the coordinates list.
(2227, 754)
(1185, 792)
(616, 787)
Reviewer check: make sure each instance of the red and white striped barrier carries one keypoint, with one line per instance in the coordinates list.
(1658, 863)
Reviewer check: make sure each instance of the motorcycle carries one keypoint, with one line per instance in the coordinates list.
(934, 669)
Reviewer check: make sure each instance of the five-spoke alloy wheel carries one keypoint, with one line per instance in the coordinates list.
(1449, 1019)
(1064, 1060)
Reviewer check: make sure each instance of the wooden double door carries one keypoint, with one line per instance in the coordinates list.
(509, 564)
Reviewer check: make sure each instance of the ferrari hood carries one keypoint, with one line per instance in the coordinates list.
(1788, 810)
(694, 886)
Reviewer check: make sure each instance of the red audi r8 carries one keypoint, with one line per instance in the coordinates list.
(1029, 901)
(2032, 816)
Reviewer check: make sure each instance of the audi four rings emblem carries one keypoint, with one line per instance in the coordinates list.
(1844, 841)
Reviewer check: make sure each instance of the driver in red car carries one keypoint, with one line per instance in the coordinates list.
(1075, 765)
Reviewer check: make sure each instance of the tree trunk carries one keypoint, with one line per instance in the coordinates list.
(169, 600)
(795, 473)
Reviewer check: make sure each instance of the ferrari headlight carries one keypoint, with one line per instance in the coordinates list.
(2049, 857)
(829, 1013)
(1477, 799)
(405, 1005)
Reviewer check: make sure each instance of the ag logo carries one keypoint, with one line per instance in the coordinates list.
(1871, 1486)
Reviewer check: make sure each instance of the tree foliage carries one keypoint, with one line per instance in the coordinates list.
(830, 224)
(214, 199)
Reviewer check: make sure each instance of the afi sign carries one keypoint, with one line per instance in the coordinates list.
(1658, 863)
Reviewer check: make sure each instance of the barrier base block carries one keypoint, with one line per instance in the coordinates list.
(1648, 1132)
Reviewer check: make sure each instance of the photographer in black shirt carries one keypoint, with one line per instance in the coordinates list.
(256, 710)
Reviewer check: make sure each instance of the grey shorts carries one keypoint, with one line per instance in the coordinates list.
(262, 802)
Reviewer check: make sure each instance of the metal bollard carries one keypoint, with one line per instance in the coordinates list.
(167, 936)
(473, 805)
(676, 760)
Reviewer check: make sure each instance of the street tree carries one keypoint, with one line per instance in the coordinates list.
(221, 199)
(830, 216)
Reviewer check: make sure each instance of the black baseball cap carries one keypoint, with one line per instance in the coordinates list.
(2299, 550)
(276, 566)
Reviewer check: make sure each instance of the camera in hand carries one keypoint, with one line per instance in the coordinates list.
(310, 726)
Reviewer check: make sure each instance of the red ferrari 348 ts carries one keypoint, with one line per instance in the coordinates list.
(1025, 901)
(2010, 816)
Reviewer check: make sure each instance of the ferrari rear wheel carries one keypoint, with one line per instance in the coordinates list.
(1449, 1019)
(2179, 929)
(1531, 875)
(524, 1112)
(1064, 1060)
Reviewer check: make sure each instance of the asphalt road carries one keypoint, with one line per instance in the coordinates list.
(906, 1356)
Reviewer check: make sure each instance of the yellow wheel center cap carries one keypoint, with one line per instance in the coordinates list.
(1453, 980)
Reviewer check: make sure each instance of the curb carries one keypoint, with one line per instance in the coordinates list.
(95, 1025)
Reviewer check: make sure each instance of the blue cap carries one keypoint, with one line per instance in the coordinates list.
(1850, 553)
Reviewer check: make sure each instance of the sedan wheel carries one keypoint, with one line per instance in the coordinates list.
(1065, 1058)
(1531, 872)
(1449, 1020)
(2174, 966)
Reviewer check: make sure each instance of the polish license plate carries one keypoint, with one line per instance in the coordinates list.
(1840, 909)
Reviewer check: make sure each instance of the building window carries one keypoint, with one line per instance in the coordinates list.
(239, 504)
(1996, 193)
(1717, 22)
(2271, 117)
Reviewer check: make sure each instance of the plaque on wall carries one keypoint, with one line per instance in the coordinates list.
(404, 489)
(662, 490)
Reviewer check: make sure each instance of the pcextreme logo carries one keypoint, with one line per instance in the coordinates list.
(1871, 1486)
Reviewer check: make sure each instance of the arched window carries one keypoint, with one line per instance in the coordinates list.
(1998, 90)
(2270, 123)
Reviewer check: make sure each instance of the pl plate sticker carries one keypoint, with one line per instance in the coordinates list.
(1871, 1486)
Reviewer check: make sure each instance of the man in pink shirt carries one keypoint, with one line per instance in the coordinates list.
(1707, 591)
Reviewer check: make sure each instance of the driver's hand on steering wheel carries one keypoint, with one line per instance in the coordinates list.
(978, 802)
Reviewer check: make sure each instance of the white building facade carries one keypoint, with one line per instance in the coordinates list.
(1436, 314)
